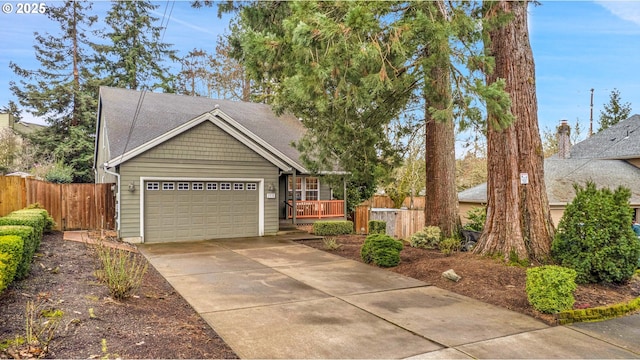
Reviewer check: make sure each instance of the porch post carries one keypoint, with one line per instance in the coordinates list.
(293, 197)
(344, 185)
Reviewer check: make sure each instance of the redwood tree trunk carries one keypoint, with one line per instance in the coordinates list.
(518, 217)
(441, 195)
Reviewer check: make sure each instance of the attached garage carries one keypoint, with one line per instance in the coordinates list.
(190, 168)
(183, 209)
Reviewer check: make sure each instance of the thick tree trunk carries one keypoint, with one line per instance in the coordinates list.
(441, 196)
(518, 217)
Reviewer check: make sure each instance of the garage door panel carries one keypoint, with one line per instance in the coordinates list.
(174, 215)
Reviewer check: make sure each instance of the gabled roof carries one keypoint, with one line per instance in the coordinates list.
(620, 141)
(599, 159)
(136, 121)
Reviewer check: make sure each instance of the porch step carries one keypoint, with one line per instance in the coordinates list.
(290, 231)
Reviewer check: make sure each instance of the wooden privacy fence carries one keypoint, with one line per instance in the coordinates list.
(401, 223)
(384, 201)
(72, 206)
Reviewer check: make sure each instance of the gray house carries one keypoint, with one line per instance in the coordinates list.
(192, 168)
(610, 158)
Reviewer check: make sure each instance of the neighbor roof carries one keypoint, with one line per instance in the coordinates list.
(598, 159)
(156, 114)
(620, 141)
(561, 174)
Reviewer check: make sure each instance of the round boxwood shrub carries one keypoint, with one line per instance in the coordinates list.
(595, 238)
(550, 288)
(382, 250)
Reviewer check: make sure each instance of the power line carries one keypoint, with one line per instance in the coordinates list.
(168, 18)
(135, 118)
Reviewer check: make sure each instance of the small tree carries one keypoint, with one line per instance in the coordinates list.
(8, 149)
(594, 236)
(615, 111)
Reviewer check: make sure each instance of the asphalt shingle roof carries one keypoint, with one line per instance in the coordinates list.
(595, 159)
(621, 141)
(159, 113)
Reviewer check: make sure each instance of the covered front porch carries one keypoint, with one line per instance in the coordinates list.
(315, 209)
(309, 200)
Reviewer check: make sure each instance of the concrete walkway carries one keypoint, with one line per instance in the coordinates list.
(270, 297)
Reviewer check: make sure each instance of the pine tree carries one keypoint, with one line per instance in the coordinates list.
(134, 53)
(62, 90)
(614, 111)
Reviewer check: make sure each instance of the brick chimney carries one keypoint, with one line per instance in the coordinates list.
(563, 137)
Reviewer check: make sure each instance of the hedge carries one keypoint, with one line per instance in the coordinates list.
(49, 223)
(332, 228)
(377, 227)
(4, 276)
(30, 240)
(11, 253)
(26, 219)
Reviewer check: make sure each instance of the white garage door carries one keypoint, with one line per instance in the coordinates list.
(200, 210)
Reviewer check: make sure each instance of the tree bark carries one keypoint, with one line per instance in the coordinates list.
(441, 196)
(518, 217)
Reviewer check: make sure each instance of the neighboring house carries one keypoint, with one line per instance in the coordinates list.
(610, 158)
(12, 143)
(193, 168)
(21, 127)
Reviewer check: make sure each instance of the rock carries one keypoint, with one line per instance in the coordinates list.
(451, 275)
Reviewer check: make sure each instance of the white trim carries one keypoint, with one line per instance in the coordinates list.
(260, 181)
(228, 125)
(257, 139)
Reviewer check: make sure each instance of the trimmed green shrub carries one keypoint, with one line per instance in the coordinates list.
(30, 239)
(11, 250)
(477, 216)
(377, 227)
(595, 238)
(33, 220)
(427, 238)
(382, 250)
(5, 271)
(550, 288)
(332, 228)
(449, 245)
(36, 209)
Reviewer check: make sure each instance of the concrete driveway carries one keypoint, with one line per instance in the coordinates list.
(270, 297)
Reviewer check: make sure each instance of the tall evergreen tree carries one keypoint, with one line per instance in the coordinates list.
(518, 221)
(349, 68)
(614, 111)
(134, 55)
(62, 90)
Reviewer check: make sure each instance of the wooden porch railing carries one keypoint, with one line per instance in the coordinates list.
(316, 209)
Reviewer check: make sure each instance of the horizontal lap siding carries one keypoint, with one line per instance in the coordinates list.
(202, 152)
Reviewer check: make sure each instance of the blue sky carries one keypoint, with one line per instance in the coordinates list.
(577, 46)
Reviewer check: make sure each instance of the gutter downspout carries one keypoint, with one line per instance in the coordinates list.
(117, 196)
